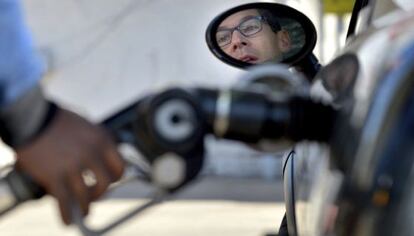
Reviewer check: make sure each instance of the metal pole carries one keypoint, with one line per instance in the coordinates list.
(321, 31)
(339, 29)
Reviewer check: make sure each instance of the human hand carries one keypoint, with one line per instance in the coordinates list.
(59, 157)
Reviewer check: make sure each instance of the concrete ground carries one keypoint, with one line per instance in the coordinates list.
(211, 206)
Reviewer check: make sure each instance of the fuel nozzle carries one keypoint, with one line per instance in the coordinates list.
(251, 116)
(269, 103)
(169, 130)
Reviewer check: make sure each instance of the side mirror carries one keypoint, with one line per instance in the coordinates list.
(259, 33)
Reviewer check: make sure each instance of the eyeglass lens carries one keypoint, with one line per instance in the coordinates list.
(247, 28)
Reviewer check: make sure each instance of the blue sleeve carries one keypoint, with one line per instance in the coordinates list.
(20, 66)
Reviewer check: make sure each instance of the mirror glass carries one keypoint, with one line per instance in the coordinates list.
(266, 33)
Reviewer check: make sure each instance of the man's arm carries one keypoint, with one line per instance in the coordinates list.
(22, 105)
(54, 146)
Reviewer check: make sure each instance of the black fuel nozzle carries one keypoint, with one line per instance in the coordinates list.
(251, 116)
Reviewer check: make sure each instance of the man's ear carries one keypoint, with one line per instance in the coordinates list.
(284, 41)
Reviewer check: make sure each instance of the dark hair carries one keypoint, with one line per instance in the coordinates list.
(270, 19)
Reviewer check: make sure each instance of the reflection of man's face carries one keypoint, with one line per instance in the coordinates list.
(260, 47)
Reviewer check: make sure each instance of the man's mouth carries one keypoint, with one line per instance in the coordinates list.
(248, 59)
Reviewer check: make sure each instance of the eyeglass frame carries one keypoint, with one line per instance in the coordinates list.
(231, 30)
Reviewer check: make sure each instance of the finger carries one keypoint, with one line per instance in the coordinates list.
(102, 179)
(105, 148)
(113, 160)
(61, 194)
(114, 163)
(79, 190)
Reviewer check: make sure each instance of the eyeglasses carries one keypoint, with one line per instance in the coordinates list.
(247, 28)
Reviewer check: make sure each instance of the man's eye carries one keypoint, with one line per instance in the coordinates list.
(250, 29)
(223, 38)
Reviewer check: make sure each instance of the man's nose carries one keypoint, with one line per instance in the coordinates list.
(238, 40)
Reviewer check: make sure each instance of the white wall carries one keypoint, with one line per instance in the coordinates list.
(104, 53)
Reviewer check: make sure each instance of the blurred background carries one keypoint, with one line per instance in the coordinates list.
(101, 55)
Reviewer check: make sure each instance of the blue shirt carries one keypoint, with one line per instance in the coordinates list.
(20, 66)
